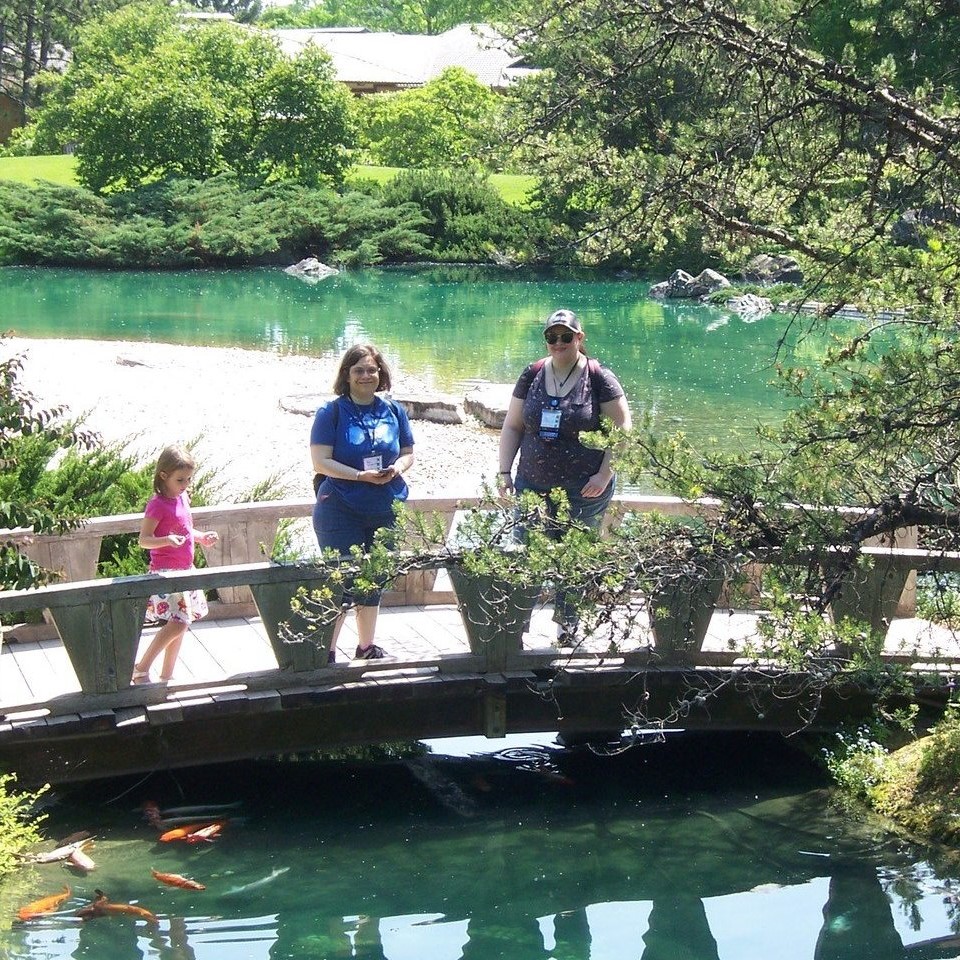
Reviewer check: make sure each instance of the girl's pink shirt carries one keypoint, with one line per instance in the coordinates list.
(172, 516)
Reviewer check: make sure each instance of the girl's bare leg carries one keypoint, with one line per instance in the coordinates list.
(171, 653)
(171, 631)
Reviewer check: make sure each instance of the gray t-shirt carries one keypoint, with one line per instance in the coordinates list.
(564, 461)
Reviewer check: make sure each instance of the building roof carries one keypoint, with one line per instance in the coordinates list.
(361, 57)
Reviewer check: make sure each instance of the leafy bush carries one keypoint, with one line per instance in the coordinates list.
(466, 219)
(447, 121)
(214, 222)
(857, 763)
(938, 598)
(19, 823)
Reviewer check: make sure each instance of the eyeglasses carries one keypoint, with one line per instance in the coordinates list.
(566, 337)
(364, 371)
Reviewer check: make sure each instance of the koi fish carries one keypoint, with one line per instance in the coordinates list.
(210, 810)
(181, 833)
(182, 816)
(175, 880)
(257, 884)
(80, 860)
(207, 833)
(44, 905)
(151, 813)
(62, 852)
(102, 907)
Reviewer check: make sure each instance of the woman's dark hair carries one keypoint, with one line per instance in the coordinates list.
(341, 386)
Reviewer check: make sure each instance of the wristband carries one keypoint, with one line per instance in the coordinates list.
(504, 473)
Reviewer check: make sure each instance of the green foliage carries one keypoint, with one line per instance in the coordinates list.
(902, 42)
(25, 425)
(940, 761)
(466, 220)
(938, 598)
(147, 96)
(19, 823)
(858, 764)
(216, 222)
(447, 122)
(914, 786)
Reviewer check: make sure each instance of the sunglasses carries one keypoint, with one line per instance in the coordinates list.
(566, 337)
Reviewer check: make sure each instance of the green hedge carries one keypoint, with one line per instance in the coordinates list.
(221, 222)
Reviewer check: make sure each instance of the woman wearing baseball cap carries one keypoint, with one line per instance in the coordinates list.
(554, 401)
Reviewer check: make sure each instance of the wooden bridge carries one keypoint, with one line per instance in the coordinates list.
(68, 712)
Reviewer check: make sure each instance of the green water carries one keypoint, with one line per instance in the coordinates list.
(708, 848)
(690, 367)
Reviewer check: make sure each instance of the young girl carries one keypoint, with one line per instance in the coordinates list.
(167, 532)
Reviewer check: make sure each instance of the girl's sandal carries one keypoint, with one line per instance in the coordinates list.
(140, 677)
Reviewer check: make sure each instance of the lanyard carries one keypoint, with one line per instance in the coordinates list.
(369, 429)
(558, 385)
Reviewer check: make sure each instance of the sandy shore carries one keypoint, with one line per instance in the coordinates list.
(145, 396)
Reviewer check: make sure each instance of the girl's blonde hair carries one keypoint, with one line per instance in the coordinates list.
(172, 458)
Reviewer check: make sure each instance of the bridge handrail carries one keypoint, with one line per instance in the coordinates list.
(100, 620)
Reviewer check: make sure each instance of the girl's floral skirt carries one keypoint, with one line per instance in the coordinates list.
(184, 607)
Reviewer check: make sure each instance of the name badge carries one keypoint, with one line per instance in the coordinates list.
(373, 463)
(549, 424)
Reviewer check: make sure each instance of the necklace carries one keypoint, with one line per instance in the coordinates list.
(558, 385)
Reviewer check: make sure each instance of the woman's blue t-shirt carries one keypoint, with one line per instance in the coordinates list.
(355, 432)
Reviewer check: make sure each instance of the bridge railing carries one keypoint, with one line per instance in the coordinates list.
(99, 621)
(248, 533)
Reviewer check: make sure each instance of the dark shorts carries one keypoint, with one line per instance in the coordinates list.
(339, 527)
(587, 511)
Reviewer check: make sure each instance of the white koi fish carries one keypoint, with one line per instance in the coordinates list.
(256, 884)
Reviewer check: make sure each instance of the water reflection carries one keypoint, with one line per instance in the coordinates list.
(708, 848)
(688, 367)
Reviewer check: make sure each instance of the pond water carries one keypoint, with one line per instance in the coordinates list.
(690, 367)
(703, 847)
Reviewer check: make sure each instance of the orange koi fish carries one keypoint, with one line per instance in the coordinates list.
(44, 905)
(181, 833)
(102, 907)
(175, 880)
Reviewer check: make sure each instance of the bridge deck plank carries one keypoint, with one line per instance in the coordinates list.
(216, 652)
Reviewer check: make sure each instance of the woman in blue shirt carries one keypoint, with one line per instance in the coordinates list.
(362, 445)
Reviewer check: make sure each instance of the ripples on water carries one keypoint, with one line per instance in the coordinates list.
(687, 366)
(702, 847)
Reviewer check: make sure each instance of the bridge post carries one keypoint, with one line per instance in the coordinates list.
(274, 603)
(680, 612)
(240, 543)
(101, 639)
(495, 615)
(871, 594)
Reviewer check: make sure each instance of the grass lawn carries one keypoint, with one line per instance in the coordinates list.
(514, 188)
(61, 168)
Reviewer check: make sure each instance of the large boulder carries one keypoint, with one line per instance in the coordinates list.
(436, 408)
(681, 285)
(311, 270)
(749, 306)
(910, 229)
(770, 268)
